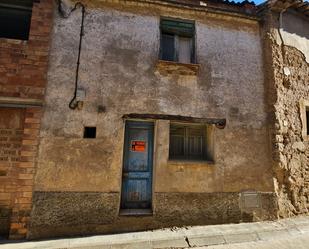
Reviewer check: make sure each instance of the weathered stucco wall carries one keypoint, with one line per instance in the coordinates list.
(288, 78)
(295, 31)
(118, 70)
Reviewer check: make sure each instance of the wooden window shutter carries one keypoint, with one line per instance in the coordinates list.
(168, 47)
(185, 28)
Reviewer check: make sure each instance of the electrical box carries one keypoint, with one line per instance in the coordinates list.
(80, 94)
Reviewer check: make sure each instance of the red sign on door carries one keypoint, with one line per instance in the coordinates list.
(138, 146)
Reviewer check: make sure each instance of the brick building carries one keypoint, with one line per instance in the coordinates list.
(183, 113)
(24, 44)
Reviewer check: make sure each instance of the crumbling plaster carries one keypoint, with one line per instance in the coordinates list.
(118, 57)
(293, 172)
(295, 31)
(118, 70)
(288, 77)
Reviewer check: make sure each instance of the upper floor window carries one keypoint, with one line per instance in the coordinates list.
(177, 41)
(15, 19)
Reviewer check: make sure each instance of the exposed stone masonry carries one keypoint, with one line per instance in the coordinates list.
(292, 171)
(287, 74)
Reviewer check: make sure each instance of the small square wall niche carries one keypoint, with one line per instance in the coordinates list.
(90, 132)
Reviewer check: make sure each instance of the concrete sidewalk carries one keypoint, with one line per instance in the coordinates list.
(290, 242)
(215, 236)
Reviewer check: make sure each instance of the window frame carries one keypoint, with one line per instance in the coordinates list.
(16, 6)
(207, 148)
(176, 39)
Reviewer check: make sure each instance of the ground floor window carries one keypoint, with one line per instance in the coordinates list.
(188, 142)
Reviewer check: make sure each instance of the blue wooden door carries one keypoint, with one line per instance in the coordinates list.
(137, 166)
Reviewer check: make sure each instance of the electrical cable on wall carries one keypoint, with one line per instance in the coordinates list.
(73, 103)
(280, 34)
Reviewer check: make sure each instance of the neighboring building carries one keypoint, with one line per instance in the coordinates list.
(24, 41)
(287, 73)
(183, 113)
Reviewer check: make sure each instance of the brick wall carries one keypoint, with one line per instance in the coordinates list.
(23, 64)
(25, 170)
(11, 130)
(23, 71)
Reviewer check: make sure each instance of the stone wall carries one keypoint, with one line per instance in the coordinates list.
(292, 174)
(84, 213)
(119, 70)
(23, 68)
(288, 78)
(293, 180)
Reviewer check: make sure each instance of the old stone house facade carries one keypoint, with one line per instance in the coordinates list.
(183, 113)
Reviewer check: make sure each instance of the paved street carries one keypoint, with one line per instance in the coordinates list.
(284, 234)
(291, 242)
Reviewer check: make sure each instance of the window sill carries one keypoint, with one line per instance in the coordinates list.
(173, 67)
(135, 212)
(13, 41)
(190, 163)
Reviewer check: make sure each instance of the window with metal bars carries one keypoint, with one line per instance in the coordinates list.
(188, 142)
(177, 40)
(15, 19)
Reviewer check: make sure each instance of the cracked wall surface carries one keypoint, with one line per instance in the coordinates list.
(118, 70)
